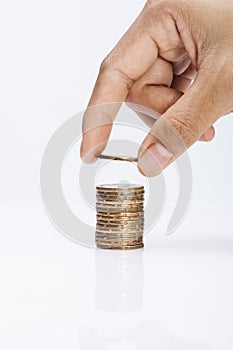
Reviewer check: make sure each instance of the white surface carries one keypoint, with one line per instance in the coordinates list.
(50, 297)
(54, 293)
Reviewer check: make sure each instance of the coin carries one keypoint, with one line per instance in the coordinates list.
(119, 227)
(123, 215)
(120, 216)
(114, 211)
(118, 237)
(121, 220)
(124, 237)
(121, 187)
(119, 205)
(119, 240)
(122, 247)
(125, 202)
(118, 198)
(120, 158)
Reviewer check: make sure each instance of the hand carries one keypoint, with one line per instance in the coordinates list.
(171, 44)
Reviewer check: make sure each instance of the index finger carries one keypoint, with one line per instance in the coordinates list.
(127, 62)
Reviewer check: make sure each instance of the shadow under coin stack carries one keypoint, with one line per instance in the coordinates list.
(120, 216)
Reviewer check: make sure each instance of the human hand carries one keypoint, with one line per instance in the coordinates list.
(171, 43)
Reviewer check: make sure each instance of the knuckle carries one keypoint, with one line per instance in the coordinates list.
(133, 95)
(153, 3)
(159, 4)
(186, 128)
(105, 64)
(110, 68)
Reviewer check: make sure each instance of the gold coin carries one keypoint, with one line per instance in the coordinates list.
(118, 198)
(116, 238)
(124, 216)
(117, 242)
(109, 240)
(140, 216)
(118, 201)
(120, 247)
(120, 221)
(122, 212)
(113, 209)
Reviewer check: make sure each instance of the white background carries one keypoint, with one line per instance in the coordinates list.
(49, 296)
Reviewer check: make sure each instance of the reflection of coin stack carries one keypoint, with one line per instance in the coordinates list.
(119, 280)
(120, 216)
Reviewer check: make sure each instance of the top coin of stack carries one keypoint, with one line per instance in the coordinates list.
(120, 216)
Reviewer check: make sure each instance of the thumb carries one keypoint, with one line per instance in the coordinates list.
(183, 123)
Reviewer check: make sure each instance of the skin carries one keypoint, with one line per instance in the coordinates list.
(176, 59)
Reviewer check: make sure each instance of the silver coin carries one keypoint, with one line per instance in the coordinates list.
(121, 223)
(120, 203)
(121, 187)
(119, 231)
(119, 228)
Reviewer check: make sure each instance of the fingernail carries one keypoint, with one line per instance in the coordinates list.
(154, 159)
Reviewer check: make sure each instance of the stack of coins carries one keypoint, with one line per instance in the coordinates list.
(120, 216)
